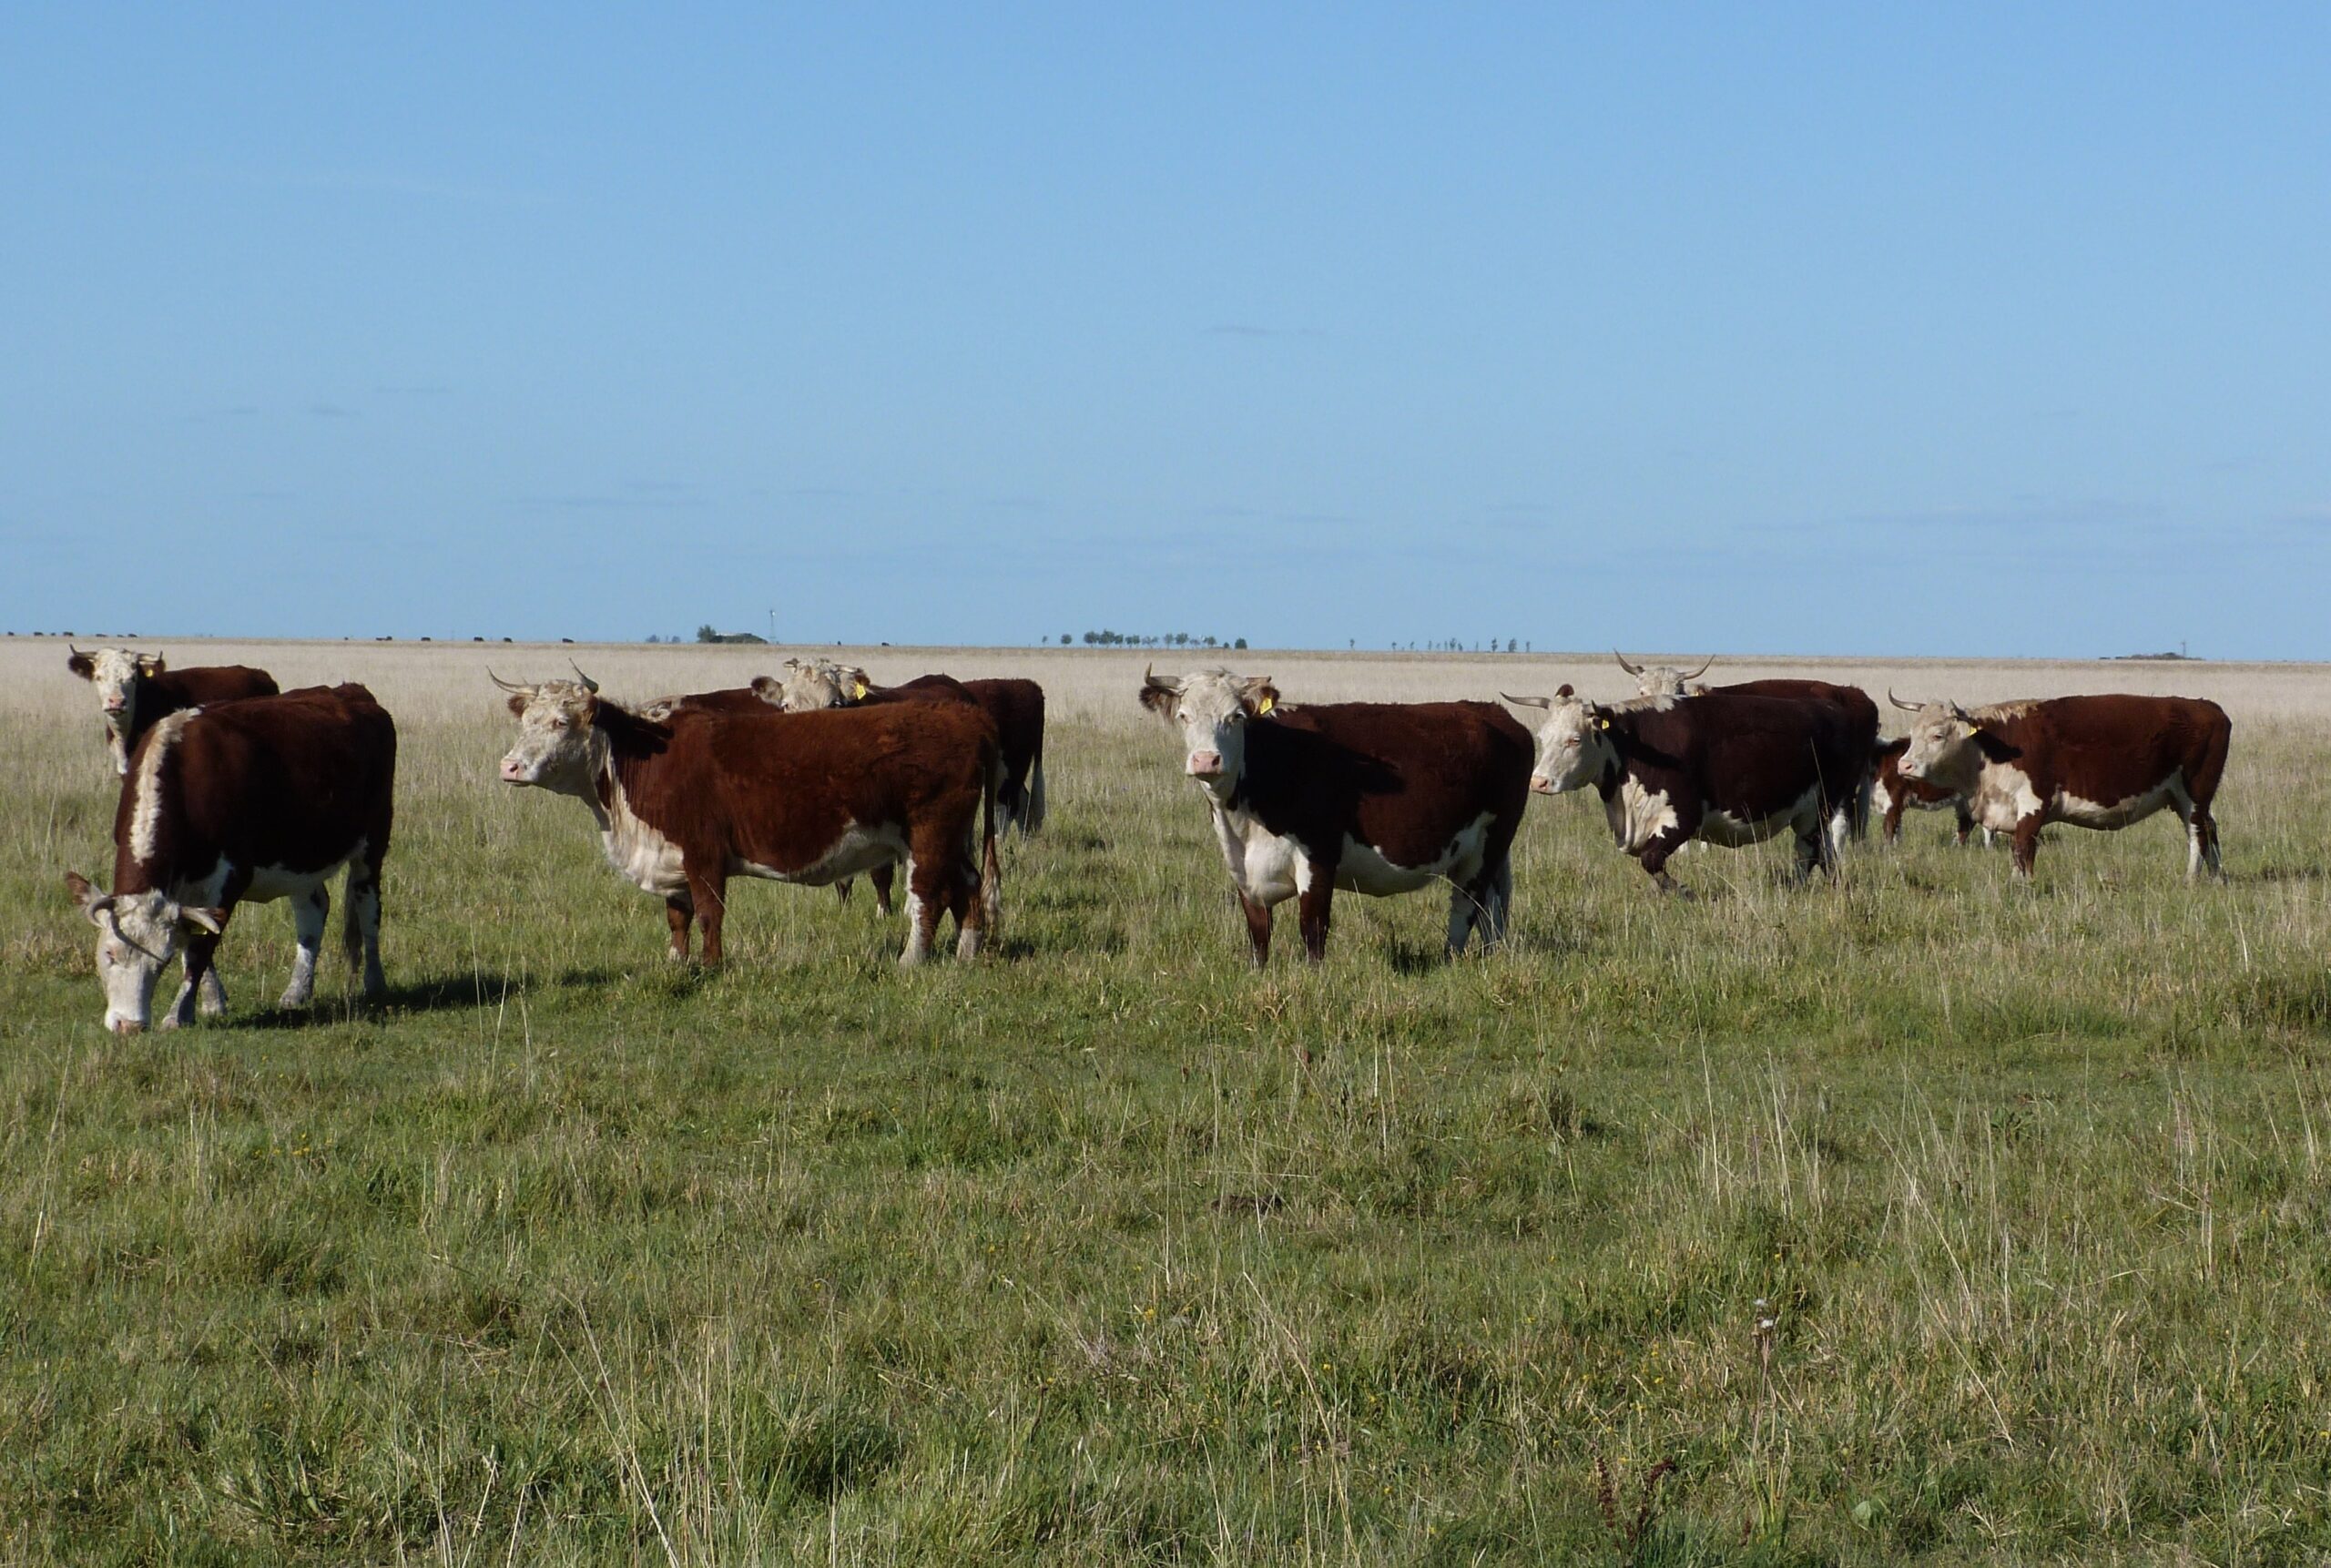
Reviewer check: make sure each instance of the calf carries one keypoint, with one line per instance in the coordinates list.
(685, 801)
(2100, 762)
(1732, 770)
(248, 801)
(1373, 797)
(137, 691)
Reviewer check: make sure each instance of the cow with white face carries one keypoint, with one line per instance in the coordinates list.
(2100, 762)
(1372, 798)
(1664, 680)
(137, 691)
(1728, 770)
(810, 685)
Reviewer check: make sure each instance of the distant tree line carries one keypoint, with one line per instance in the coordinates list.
(1108, 639)
(705, 634)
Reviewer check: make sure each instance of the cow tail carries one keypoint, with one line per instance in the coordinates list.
(1033, 818)
(991, 866)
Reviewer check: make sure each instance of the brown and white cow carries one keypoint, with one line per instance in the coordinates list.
(137, 691)
(1016, 706)
(2100, 762)
(686, 802)
(249, 801)
(1732, 770)
(1850, 818)
(1374, 798)
(1892, 793)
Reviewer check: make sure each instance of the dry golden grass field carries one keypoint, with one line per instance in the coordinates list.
(1921, 1216)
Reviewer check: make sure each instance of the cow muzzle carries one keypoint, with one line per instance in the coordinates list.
(1540, 785)
(514, 771)
(113, 705)
(121, 1025)
(1206, 765)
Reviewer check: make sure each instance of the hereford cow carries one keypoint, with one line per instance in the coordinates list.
(1375, 798)
(248, 801)
(137, 691)
(1732, 770)
(1891, 794)
(2098, 762)
(1850, 817)
(685, 801)
(1016, 706)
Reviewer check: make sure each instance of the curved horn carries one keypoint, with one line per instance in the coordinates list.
(1529, 702)
(1696, 675)
(506, 685)
(1905, 706)
(588, 684)
(1630, 669)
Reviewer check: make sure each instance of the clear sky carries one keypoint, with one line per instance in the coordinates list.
(1858, 329)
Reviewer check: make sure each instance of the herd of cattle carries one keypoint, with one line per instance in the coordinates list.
(233, 791)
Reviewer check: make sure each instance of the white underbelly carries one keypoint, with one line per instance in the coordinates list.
(2082, 813)
(859, 850)
(1734, 832)
(1362, 869)
(266, 884)
(645, 858)
(2004, 797)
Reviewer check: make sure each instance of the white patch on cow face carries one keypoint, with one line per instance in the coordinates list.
(558, 748)
(137, 935)
(1213, 709)
(146, 815)
(821, 683)
(1942, 748)
(1574, 748)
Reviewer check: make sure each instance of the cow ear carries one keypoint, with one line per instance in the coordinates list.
(1260, 694)
(213, 921)
(769, 688)
(1567, 690)
(1973, 730)
(154, 664)
(82, 664)
(517, 705)
(94, 901)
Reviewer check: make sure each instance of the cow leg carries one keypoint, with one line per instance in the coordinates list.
(1312, 908)
(677, 913)
(708, 892)
(308, 917)
(1966, 816)
(1258, 927)
(1891, 829)
(1497, 904)
(1655, 854)
(1816, 849)
(360, 928)
(841, 890)
(2026, 845)
(2205, 827)
(879, 879)
(926, 896)
(201, 978)
(969, 904)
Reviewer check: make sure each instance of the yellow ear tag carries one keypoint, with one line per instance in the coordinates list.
(1602, 724)
(858, 688)
(1264, 706)
(1971, 732)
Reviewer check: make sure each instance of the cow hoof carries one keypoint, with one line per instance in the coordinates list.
(292, 1001)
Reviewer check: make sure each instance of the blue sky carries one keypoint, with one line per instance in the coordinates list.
(1746, 327)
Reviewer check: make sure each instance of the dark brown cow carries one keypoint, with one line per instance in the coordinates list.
(1891, 794)
(1375, 798)
(248, 801)
(1732, 770)
(1017, 706)
(1850, 818)
(686, 802)
(2098, 762)
(137, 691)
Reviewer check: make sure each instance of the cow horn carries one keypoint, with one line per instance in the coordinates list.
(1703, 670)
(1630, 669)
(588, 684)
(506, 685)
(1905, 706)
(1531, 701)
(1149, 678)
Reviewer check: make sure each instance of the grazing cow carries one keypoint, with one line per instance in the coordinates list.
(1732, 770)
(1891, 794)
(2100, 762)
(137, 691)
(1850, 817)
(1372, 796)
(685, 801)
(248, 801)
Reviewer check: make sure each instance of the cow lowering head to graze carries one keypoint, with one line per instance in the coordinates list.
(248, 801)
(1892, 793)
(1373, 797)
(685, 801)
(1732, 770)
(137, 691)
(2100, 762)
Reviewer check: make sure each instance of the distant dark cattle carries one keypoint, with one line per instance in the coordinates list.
(1373, 797)
(688, 801)
(1732, 770)
(2100, 762)
(137, 691)
(248, 801)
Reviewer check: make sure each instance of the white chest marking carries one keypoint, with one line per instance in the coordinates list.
(1265, 866)
(1637, 815)
(639, 852)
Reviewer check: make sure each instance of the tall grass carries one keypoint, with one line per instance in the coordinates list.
(1924, 1214)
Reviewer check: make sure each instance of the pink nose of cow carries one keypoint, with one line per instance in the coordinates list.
(125, 1026)
(1206, 763)
(1540, 785)
(113, 705)
(512, 773)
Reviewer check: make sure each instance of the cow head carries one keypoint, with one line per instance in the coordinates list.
(812, 683)
(137, 935)
(1664, 680)
(1574, 744)
(1945, 744)
(558, 748)
(1212, 708)
(116, 673)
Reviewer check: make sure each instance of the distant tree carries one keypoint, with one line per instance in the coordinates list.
(705, 634)
(1064, 639)
(1239, 643)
